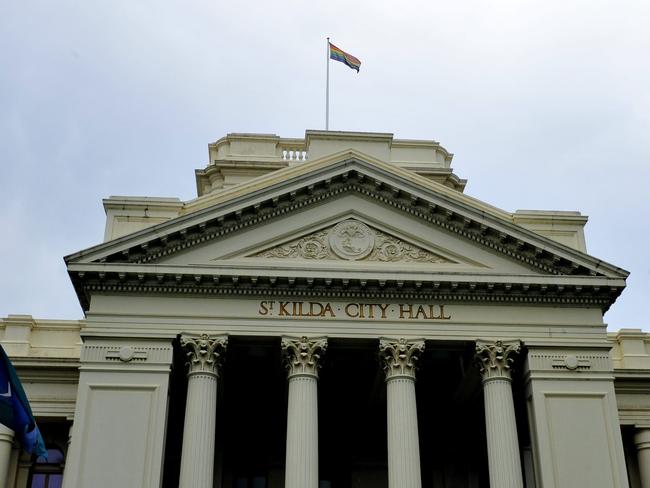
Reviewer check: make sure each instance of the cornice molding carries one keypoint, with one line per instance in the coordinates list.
(447, 291)
(540, 290)
(471, 223)
(535, 258)
(403, 192)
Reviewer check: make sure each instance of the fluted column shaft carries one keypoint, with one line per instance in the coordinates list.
(504, 459)
(642, 443)
(399, 358)
(302, 357)
(205, 354)
(6, 444)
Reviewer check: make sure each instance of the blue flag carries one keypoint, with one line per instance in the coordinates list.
(15, 412)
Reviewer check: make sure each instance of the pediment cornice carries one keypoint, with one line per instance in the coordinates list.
(313, 183)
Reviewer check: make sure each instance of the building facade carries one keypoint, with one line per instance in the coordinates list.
(334, 312)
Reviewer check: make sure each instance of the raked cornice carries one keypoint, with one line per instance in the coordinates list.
(282, 192)
(313, 183)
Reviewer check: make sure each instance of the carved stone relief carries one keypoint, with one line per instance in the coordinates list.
(399, 356)
(302, 355)
(494, 359)
(205, 353)
(352, 240)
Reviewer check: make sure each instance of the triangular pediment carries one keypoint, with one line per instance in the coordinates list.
(259, 220)
(353, 240)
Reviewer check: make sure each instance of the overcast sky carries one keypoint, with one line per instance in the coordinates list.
(545, 104)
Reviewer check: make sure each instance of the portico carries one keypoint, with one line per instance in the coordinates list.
(359, 422)
(349, 317)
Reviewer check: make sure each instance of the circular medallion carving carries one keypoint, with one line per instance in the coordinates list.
(126, 353)
(352, 240)
(571, 362)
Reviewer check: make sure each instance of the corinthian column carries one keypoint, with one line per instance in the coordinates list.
(6, 443)
(301, 358)
(494, 361)
(205, 354)
(642, 443)
(399, 357)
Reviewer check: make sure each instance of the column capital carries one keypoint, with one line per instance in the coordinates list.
(494, 359)
(302, 354)
(205, 353)
(642, 438)
(399, 356)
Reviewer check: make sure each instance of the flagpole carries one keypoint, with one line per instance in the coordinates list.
(327, 89)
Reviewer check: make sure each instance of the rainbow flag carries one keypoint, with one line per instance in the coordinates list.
(340, 55)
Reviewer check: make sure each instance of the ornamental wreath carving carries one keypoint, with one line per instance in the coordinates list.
(352, 240)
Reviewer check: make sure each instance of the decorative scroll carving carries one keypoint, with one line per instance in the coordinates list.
(494, 359)
(352, 240)
(302, 355)
(399, 356)
(205, 353)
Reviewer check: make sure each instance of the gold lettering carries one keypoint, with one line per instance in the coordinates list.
(353, 310)
(383, 307)
(313, 312)
(328, 309)
(432, 312)
(263, 309)
(403, 308)
(442, 313)
(422, 312)
(283, 309)
(371, 310)
(351, 314)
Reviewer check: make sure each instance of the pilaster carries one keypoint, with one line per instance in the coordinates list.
(120, 414)
(573, 417)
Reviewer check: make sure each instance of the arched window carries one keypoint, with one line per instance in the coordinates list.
(48, 474)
